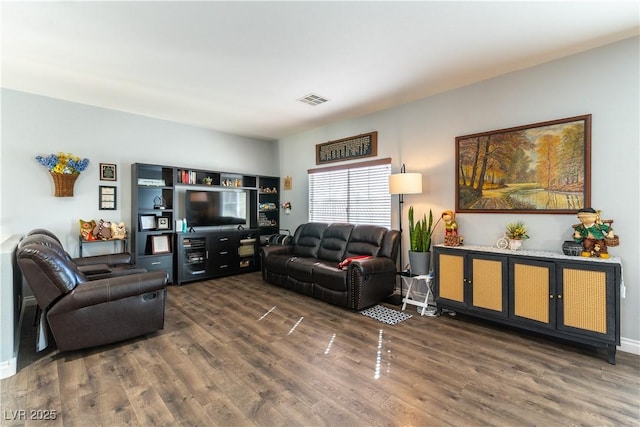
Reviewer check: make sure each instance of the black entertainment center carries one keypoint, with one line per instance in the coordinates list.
(227, 216)
(203, 255)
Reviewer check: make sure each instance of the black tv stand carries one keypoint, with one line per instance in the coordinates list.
(209, 254)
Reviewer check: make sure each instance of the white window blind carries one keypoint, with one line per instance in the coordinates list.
(354, 194)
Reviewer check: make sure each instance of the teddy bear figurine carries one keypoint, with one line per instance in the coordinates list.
(594, 233)
(118, 231)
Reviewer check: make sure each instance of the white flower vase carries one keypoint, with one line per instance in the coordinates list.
(515, 245)
(287, 211)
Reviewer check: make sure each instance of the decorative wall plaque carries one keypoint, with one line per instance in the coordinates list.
(354, 147)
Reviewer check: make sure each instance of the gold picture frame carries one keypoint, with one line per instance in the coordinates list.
(540, 168)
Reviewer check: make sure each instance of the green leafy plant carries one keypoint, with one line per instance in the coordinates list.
(517, 231)
(420, 232)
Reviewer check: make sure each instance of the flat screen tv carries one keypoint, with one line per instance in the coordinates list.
(213, 208)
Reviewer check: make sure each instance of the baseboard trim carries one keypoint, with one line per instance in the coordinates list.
(8, 368)
(629, 346)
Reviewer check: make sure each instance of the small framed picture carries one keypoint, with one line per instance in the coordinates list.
(107, 197)
(108, 172)
(163, 223)
(147, 222)
(160, 244)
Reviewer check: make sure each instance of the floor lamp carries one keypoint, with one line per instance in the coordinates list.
(403, 183)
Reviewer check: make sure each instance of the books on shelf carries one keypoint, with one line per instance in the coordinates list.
(187, 177)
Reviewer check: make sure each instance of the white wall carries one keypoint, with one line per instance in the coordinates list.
(603, 82)
(34, 125)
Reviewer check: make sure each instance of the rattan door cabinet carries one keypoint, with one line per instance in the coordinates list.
(572, 298)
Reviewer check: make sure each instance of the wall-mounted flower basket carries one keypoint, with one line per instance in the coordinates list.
(64, 168)
(64, 183)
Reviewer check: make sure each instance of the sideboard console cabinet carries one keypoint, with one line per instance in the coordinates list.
(572, 298)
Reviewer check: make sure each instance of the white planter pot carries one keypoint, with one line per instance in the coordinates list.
(515, 245)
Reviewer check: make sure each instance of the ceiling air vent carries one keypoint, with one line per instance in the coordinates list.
(312, 99)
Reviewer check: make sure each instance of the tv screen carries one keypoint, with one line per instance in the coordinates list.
(211, 208)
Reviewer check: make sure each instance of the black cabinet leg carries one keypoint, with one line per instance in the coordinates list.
(611, 354)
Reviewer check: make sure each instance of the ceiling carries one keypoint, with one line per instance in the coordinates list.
(240, 67)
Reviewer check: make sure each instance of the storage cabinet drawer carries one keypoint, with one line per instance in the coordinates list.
(152, 263)
(225, 243)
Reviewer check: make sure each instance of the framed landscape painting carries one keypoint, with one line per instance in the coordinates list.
(538, 168)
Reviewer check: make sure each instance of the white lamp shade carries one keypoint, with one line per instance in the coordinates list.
(405, 183)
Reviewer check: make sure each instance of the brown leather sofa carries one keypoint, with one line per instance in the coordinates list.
(310, 264)
(85, 313)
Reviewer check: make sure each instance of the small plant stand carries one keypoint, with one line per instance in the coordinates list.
(410, 281)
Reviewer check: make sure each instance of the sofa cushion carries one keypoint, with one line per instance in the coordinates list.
(330, 276)
(307, 239)
(365, 240)
(390, 245)
(277, 263)
(301, 268)
(334, 242)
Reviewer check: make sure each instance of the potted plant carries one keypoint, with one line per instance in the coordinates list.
(516, 233)
(420, 234)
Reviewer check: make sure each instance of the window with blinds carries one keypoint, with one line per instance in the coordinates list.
(357, 194)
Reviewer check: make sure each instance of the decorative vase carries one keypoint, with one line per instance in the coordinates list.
(569, 247)
(515, 245)
(419, 262)
(287, 211)
(64, 183)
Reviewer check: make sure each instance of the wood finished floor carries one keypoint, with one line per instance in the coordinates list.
(239, 352)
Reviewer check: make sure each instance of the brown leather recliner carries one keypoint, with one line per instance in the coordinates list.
(85, 313)
(97, 266)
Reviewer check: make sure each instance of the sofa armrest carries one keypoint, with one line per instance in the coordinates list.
(375, 265)
(371, 280)
(90, 269)
(274, 250)
(111, 289)
(109, 259)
